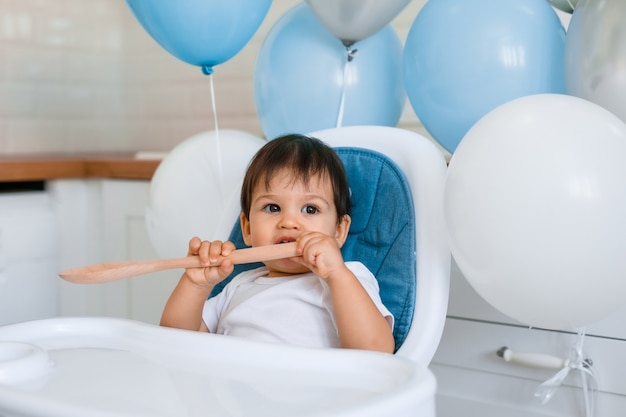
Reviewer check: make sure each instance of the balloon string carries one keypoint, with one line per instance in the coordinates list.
(577, 362)
(218, 149)
(571, 5)
(351, 53)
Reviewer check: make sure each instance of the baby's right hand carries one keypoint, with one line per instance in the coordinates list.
(209, 252)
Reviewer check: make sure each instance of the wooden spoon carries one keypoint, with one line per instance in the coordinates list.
(113, 271)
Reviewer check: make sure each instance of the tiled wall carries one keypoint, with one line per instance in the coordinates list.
(82, 75)
(60, 72)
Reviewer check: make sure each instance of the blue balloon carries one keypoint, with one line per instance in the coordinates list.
(299, 78)
(201, 32)
(464, 58)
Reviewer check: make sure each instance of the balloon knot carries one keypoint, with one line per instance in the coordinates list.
(207, 69)
(347, 43)
(351, 53)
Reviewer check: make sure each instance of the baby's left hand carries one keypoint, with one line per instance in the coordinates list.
(321, 254)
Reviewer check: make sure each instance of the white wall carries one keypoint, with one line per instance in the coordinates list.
(60, 73)
(82, 75)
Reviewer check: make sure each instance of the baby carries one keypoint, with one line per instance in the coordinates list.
(295, 189)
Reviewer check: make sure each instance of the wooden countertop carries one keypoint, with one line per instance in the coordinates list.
(42, 167)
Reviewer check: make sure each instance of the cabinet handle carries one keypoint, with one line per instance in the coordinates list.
(533, 360)
(113, 271)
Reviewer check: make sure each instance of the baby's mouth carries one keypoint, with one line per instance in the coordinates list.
(285, 240)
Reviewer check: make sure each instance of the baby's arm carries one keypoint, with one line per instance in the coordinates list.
(183, 309)
(360, 325)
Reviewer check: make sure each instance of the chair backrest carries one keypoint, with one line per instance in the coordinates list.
(396, 179)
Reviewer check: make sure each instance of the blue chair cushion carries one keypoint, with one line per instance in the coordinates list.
(382, 233)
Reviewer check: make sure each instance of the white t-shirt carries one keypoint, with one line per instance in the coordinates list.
(294, 310)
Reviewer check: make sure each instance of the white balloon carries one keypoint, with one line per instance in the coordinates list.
(535, 201)
(353, 20)
(195, 190)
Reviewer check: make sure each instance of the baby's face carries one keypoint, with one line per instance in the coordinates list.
(284, 210)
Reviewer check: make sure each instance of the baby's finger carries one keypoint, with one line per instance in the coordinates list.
(305, 240)
(226, 268)
(227, 248)
(203, 252)
(194, 246)
(214, 251)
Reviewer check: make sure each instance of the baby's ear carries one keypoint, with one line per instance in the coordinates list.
(341, 233)
(245, 229)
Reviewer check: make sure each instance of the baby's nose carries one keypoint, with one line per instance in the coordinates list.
(289, 221)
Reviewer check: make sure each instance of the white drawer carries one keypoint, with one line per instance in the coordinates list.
(29, 290)
(28, 228)
(467, 367)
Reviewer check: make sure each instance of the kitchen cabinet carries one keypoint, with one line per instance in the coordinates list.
(89, 210)
(102, 220)
(29, 287)
(473, 380)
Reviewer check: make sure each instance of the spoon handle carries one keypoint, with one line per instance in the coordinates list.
(113, 271)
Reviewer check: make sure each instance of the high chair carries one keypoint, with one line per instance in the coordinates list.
(112, 367)
(397, 229)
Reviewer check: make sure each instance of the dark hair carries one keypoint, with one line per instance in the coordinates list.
(306, 156)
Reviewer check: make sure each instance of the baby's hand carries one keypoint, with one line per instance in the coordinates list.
(321, 254)
(209, 252)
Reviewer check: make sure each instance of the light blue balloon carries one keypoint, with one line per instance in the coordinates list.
(298, 78)
(201, 32)
(464, 58)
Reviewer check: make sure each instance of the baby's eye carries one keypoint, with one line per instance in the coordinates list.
(310, 210)
(271, 208)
